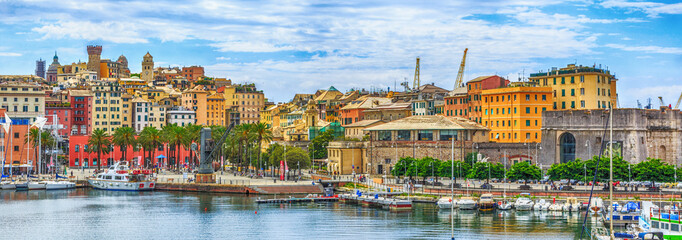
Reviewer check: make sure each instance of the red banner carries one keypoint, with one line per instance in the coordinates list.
(281, 170)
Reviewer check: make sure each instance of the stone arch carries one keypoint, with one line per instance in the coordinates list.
(662, 153)
(566, 147)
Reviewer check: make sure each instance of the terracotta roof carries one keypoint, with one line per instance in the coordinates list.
(458, 91)
(80, 93)
(365, 102)
(429, 122)
(478, 79)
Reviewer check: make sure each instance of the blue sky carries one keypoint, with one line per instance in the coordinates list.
(289, 47)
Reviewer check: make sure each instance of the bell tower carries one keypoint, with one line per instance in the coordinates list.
(94, 54)
(147, 72)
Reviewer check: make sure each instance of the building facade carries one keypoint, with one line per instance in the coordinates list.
(40, 68)
(514, 113)
(637, 134)
(579, 87)
(147, 73)
(106, 113)
(181, 116)
(23, 101)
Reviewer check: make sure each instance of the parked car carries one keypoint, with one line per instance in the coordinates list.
(581, 183)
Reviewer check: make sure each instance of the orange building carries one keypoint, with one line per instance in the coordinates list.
(195, 100)
(354, 111)
(193, 73)
(215, 110)
(466, 102)
(514, 113)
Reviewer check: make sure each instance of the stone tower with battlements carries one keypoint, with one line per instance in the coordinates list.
(147, 72)
(94, 53)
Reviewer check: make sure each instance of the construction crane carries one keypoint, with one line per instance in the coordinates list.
(639, 105)
(660, 99)
(458, 81)
(677, 106)
(406, 85)
(416, 83)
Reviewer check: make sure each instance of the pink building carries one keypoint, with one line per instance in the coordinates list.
(80, 158)
(62, 112)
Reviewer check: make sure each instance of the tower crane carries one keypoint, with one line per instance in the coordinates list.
(677, 106)
(416, 83)
(458, 81)
(660, 99)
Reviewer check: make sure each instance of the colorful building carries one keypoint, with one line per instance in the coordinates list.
(469, 105)
(106, 113)
(196, 100)
(61, 112)
(514, 113)
(23, 101)
(579, 87)
(354, 111)
(79, 157)
(215, 110)
(181, 116)
(193, 73)
(81, 111)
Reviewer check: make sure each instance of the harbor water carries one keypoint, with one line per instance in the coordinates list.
(96, 214)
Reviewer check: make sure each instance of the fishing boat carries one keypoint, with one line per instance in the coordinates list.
(446, 203)
(119, 177)
(486, 203)
(467, 203)
(523, 203)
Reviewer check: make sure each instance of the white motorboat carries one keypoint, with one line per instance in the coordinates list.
(596, 205)
(571, 205)
(54, 185)
(523, 203)
(539, 205)
(36, 185)
(446, 203)
(119, 177)
(7, 185)
(466, 203)
(555, 207)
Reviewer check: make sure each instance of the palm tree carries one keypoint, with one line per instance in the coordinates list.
(99, 142)
(45, 139)
(191, 135)
(175, 135)
(264, 134)
(151, 138)
(245, 135)
(124, 137)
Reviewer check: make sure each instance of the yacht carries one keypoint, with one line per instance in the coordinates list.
(486, 203)
(7, 185)
(523, 203)
(446, 203)
(53, 185)
(36, 185)
(466, 203)
(120, 177)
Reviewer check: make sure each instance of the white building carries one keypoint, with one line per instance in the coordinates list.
(181, 116)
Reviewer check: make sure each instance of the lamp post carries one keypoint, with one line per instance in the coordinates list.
(528, 147)
(488, 184)
(589, 148)
(537, 145)
(585, 166)
(630, 176)
(472, 153)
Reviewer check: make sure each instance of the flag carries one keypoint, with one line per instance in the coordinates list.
(281, 171)
(39, 122)
(139, 160)
(8, 122)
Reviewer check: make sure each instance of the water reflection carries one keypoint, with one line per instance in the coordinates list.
(83, 213)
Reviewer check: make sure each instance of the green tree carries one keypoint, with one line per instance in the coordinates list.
(151, 138)
(654, 170)
(404, 167)
(191, 136)
(297, 157)
(175, 136)
(525, 171)
(264, 134)
(46, 141)
(124, 137)
(319, 144)
(275, 153)
(486, 170)
(471, 158)
(99, 142)
(461, 169)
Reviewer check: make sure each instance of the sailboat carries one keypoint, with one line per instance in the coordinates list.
(7, 126)
(504, 204)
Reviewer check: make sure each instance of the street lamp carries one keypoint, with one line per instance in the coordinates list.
(585, 166)
(537, 146)
(472, 153)
(527, 146)
(589, 148)
(629, 173)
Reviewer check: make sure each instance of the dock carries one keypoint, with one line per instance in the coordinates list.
(392, 204)
(299, 200)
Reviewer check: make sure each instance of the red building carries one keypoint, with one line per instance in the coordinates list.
(193, 73)
(78, 157)
(62, 111)
(354, 111)
(81, 107)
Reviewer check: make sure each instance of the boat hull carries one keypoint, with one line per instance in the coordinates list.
(60, 185)
(486, 207)
(122, 185)
(467, 206)
(36, 186)
(21, 186)
(9, 186)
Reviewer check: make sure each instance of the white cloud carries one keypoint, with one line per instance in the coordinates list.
(653, 9)
(647, 49)
(10, 54)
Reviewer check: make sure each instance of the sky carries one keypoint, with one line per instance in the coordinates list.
(291, 46)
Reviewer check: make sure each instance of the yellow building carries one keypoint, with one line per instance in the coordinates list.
(266, 116)
(131, 85)
(579, 87)
(514, 113)
(215, 110)
(195, 100)
(107, 106)
(247, 99)
(126, 110)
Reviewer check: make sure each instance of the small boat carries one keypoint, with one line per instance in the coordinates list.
(555, 207)
(21, 186)
(400, 205)
(539, 205)
(37, 185)
(575, 205)
(486, 203)
(54, 185)
(597, 205)
(446, 203)
(7, 185)
(119, 177)
(523, 203)
(505, 205)
(466, 203)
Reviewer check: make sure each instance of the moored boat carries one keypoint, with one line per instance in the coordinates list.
(486, 203)
(466, 203)
(36, 185)
(54, 185)
(21, 186)
(120, 178)
(523, 203)
(446, 203)
(7, 185)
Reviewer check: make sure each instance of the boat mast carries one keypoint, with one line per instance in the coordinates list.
(452, 188)
(611, 171)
